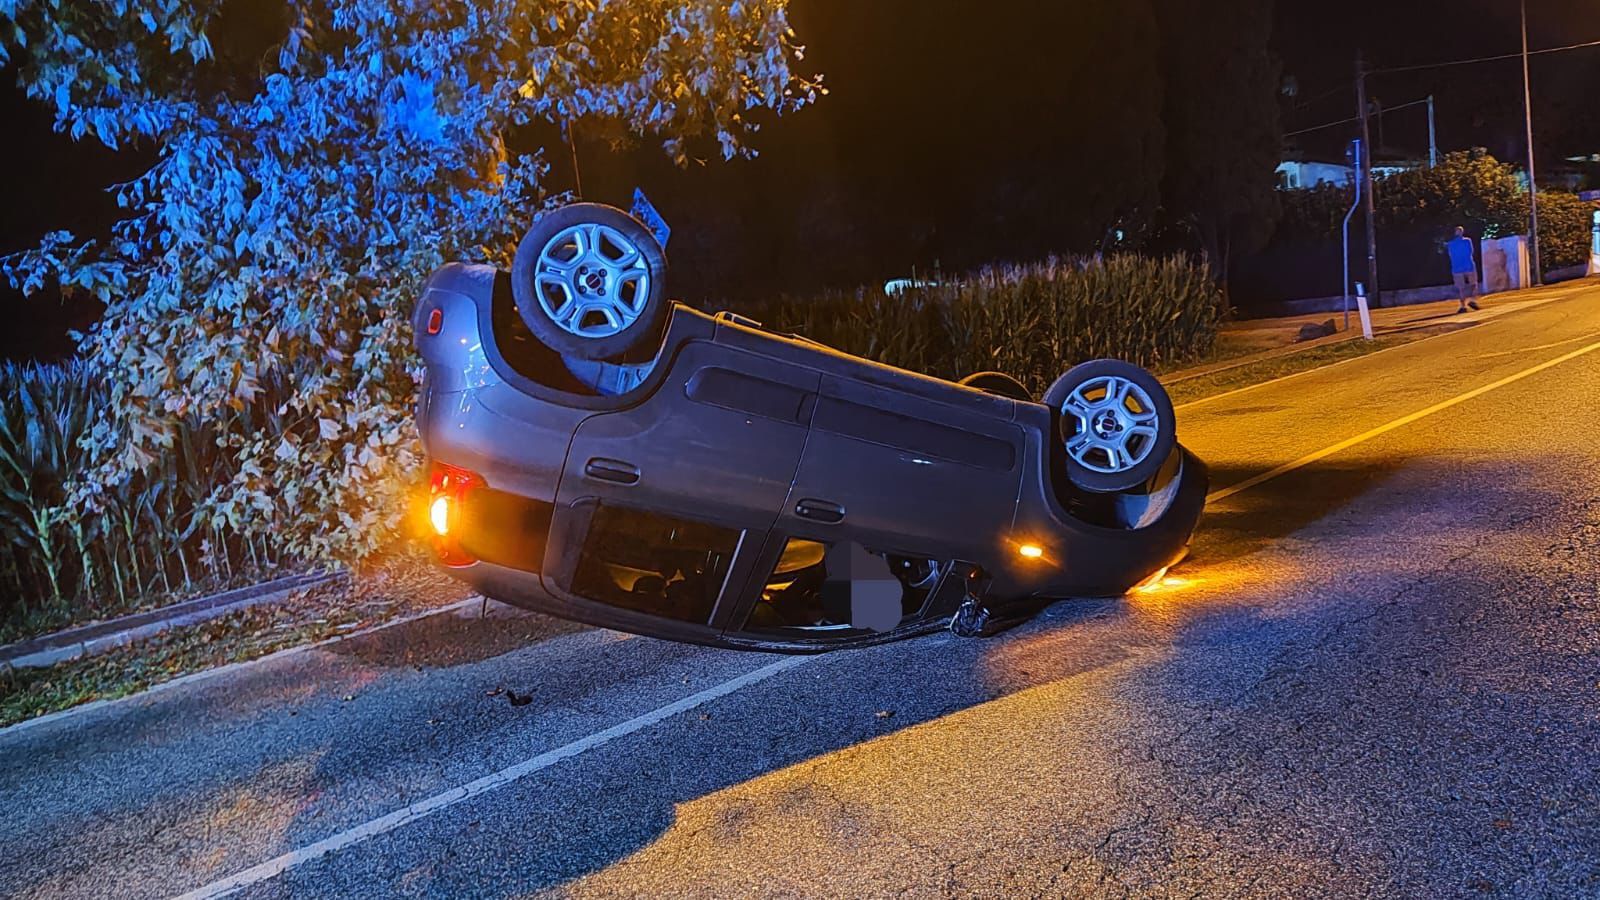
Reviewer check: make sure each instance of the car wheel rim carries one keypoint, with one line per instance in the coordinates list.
(592, 280)
(1110, 424)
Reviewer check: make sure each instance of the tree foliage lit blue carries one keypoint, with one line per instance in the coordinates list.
(268, 261)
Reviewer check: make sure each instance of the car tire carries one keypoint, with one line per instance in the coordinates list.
(589, 282)
(998, 383)
(1115, 425)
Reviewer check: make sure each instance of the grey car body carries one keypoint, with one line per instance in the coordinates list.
(749, 489)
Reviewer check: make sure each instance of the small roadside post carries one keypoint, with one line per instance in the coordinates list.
(1361, 306)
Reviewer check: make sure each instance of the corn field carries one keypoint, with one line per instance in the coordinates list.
(146, 541)
(1029, 321)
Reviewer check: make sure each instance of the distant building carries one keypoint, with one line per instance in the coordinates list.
(1305, 174)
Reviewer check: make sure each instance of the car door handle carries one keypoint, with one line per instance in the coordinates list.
(613, 470)
(819, 511)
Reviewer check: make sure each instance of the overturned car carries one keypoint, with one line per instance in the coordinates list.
(604, 455)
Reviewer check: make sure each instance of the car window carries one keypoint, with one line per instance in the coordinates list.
(653, 563)
(826, 586)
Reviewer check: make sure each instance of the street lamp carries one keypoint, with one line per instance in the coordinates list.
(1354, 155)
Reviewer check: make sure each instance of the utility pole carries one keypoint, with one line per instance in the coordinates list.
(1364, 172)
(1433, 137)
(1533, 185)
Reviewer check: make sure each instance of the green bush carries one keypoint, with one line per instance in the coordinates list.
(151, 537)
(1472, 189)
(1029, 321)
(1564, 230)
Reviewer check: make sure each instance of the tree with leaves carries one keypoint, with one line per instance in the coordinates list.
(1469, 188)
(1223, 132)
(317, 159)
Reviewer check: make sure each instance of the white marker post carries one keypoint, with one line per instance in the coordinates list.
(1361, 305)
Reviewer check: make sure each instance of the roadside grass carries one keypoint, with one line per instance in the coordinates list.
(20, 625)
(311, 615)
(1203, 386)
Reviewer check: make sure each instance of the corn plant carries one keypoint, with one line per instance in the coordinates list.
(1030, 321)
(147, 538)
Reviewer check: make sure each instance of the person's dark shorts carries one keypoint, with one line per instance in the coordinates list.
(1467, 283)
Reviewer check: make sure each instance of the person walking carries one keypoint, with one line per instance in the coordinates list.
(1464, 269)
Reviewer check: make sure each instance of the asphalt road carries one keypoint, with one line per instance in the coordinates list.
(1378, 674)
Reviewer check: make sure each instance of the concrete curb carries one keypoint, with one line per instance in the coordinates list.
(1443, 324)
(1397, 298)
(1303, 346)
(99, 637)
(1391, 299)
(456, 608)
(1250, 359)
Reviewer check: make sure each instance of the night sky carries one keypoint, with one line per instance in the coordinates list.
(956, 133)
(1478, 105)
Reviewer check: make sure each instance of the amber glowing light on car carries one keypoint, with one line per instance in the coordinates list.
(1030, 551)
(439, 515)
(448, 489)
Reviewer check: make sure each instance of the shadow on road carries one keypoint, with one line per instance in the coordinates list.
(656, 797)
(593, 813)
(1274, 509)
(590, 814)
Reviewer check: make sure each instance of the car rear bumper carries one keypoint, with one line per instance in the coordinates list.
(1084, 560)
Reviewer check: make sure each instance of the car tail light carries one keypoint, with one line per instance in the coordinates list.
(435, 320)
(449, 489)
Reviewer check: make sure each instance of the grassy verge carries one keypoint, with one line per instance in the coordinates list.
(18, 624)
(1192, 389)
(311, 615)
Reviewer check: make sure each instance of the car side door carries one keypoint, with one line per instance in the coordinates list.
(896, 490)
(662, 506)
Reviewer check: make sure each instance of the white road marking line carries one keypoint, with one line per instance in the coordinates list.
(1520, 306)
(1323, 368)
(1519, 350)
(422, 808)
(1309, 458)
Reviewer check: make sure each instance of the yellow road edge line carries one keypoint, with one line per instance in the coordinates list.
(1387, 427)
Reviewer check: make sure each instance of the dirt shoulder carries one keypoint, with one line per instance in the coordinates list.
(346, 606)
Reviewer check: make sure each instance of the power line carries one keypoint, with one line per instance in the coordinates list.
(1330, 92)
(1381, 111)
(1437, 65)
(1483, 59)
(1290, 134)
